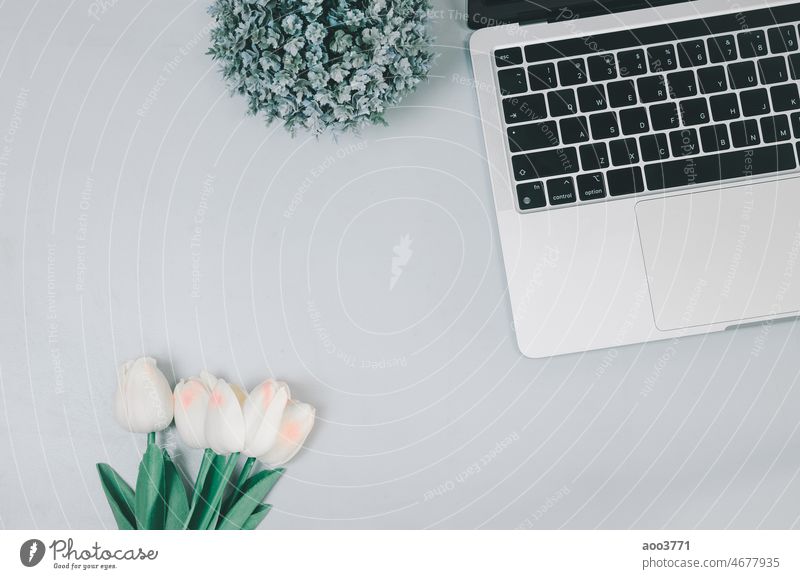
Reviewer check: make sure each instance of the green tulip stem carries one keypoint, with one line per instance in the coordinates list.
(216, 499)
(243, 475)
(205, 464)
(151, 438)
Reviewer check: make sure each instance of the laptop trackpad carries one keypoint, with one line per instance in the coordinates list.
(722, 256)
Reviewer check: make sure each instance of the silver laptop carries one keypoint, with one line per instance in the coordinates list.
(644, 164)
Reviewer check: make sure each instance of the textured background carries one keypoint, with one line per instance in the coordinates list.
(142, 212)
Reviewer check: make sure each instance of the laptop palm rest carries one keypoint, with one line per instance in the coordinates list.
(723, 256)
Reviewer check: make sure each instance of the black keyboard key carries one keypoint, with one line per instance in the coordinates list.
(712, 79)
(752, 43)
(654, 147)
(662, 58)
(572, 72)
(591, 186)
(574, 130)
(784, 97)
(794, 65)
(625, 181)
(562, 102)
(634, 121)
(508, 56)
(561, 191)
(755, 102)
(652, 89)
(782, 39)
(725, 107)
(631, 63)
(722, 48)
(545, 163)
(796, 125)
(621, 93)
(684, 142)
(742, 74)
(624, 152)
(772, 70)
(604, 125)
(533, 136)
(692, 53)
(531, 195)
(602, 67)
(694, 112)
(592, 98)
(512, 81)
(664, 116)
(529, 107)
(722, 166)
(682, 84)
(594, 156)
(542, 76)
(775, 129)
(745, 133)
(715, 138)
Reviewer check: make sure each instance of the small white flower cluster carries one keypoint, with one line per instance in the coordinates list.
(322, 64)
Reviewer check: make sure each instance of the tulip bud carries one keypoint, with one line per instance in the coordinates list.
(296, 424)
(224, 428)
(143, 401)
(263, 410)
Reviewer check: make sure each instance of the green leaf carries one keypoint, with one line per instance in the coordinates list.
(253, 492)
(120, 497)
(151, 490)
(254, 520)
(208, 503)
(177, 501)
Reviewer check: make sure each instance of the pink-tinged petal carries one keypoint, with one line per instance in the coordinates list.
(224, 427)
(296, 424)
(191, 406)
(263, 410)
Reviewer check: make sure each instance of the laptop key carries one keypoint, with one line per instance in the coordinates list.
(742, 74)
(794, 65)
(662, 58)
(684, 143)
(591, 186)
(796, 125)
(755, 102)
(602, 67)
(574, 130)
(625, 181)
(722, 48)
(782, 39)
(745, 133)
(725, 107)
(542, 76)
(775, 129)
(634, 121)
(631, 63)
(785, 97)
(604, 125)
(562, 102)
(621, 93)
(752, 43)
(561, 191)
(572, 72)
(594, 156)
(772, 70)
(592, 98)
(624, 152)
(712, 79)
(533, 136)
(682, 84)
(652, 89)
(531, 195)
(512, 81)
(664, 116)
(692, 53)
(715, 138)
(529, 107)
(694, 112)
(508, 56)
(654, 147)
(710, 168)
(545, 163)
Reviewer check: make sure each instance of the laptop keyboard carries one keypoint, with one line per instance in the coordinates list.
(652, 109)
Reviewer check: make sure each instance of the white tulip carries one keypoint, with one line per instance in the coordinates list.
(191, 406)
(296, 424)
(263, 411)
(143, 401)
(224, 428)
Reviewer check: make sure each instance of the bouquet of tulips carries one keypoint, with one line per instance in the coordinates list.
(265, 425)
